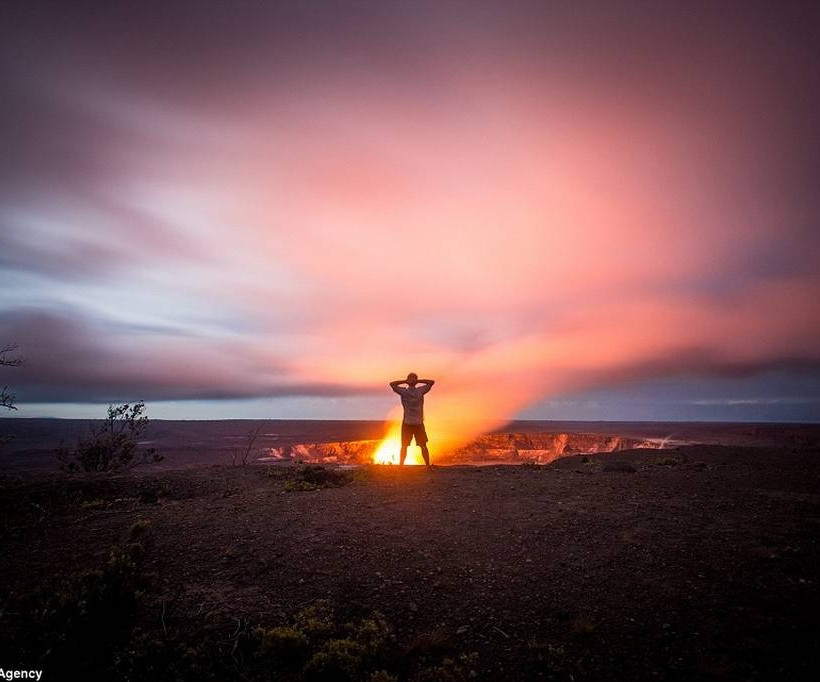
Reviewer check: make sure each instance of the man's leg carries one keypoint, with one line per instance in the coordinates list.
(421, 441)
(406, 437)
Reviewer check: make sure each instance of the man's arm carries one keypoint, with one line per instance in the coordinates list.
(395, 384)
(428, 384)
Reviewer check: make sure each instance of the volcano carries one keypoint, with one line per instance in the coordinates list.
(492, 448)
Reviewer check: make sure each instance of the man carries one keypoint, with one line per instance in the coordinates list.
(412, 426)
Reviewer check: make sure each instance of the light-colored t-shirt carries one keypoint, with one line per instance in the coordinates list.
(412, 400)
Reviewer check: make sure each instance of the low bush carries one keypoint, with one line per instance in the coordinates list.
(316, 647)
(461, 669)
(316, 477)
(80, 623)
(96, 503)
(111, 445)
(96, 626)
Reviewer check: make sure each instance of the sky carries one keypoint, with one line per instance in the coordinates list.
(568, 210)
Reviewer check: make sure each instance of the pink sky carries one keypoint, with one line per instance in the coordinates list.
(519, 215)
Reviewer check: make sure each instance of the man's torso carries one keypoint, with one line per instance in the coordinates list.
(412, 400)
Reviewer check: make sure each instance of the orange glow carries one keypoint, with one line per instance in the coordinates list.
(454, 418)
(388, 450)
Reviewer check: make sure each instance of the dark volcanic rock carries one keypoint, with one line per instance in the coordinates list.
(619, 466)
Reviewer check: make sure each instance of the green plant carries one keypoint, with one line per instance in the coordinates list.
(338, 659)
(382, 676)
(372, 633)
(460, 669)
(316, 477)
(79, 623)
(314, 646)
(316, 620)
(295, 486)
(287, 644)
(157, 657)
(111, 445)
(93, 504)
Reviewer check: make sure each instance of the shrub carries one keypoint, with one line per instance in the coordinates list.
(338, 659)
(372, 633)
(316, 477)
(113, 444)
(316, 620)
(314, 646)
(382, 676)
(287, 644)
(434, 644)
(462, 669)
(96, 503)
(80, 623)
(151, 656)
(294, 485)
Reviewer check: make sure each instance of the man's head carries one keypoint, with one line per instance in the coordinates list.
(412, 379)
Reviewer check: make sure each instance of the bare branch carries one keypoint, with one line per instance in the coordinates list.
(252, 436)
(7, 360)
(7, 350)
(7, 399)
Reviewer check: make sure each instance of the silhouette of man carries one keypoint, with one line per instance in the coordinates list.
(412, 426)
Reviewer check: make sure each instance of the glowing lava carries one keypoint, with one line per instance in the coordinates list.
(388, 450)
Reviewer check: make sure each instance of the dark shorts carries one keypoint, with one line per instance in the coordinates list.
(410, 431)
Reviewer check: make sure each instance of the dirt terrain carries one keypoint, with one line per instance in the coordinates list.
(184, 444)
(700, 562)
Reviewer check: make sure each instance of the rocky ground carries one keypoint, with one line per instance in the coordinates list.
(695, 563)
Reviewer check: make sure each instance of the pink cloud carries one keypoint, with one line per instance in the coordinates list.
(517, 219)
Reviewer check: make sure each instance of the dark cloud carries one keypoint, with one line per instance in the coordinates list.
(71, 359)
(786, 394)
(73, 259)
